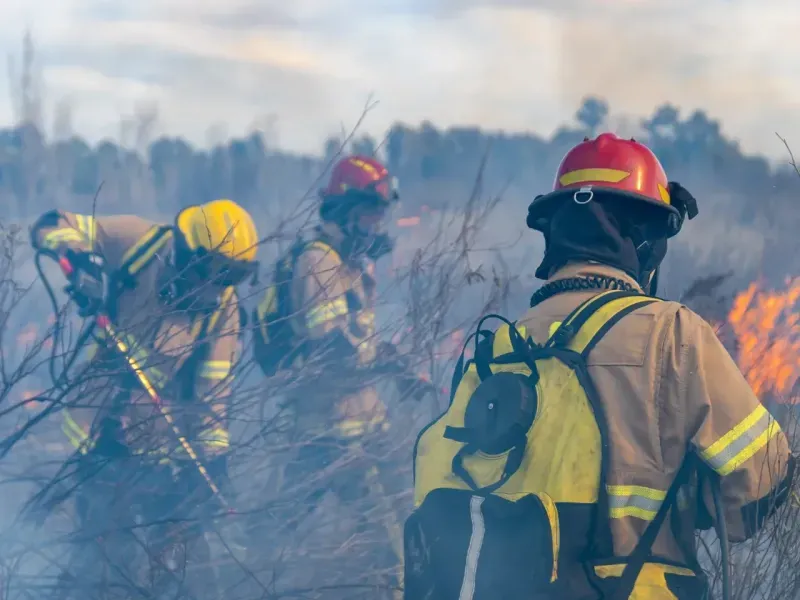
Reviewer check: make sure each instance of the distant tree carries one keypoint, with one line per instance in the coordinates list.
(62, 120)
(664, 123)
(332, 148)
(431, 159)
(592, 114)
(700, 130)
(394, 148)
(364, 145)
(26, 83)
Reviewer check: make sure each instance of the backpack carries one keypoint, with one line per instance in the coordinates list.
(509, 482)
(275, 344)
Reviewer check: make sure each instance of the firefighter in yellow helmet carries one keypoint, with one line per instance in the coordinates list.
(168, 291)
(585, 443)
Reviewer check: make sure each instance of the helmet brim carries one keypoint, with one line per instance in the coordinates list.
(543, 207)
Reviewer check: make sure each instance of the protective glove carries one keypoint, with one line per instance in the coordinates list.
(89, 284)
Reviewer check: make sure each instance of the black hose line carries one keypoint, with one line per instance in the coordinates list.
(60, 381)
(722, 534)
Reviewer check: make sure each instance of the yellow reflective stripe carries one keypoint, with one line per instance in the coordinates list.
(320, 245)
(351, 428)
(600, 317)
(555, 531)
(594, 175)
(197, 327)
(215, 369)
(77, 436)
(140, 243)
(57, 237)
(72, 425)
(76, 442)
(216, 438)
(605, 571)
(634, 501)
(227, 295)
(357, 427)
(141, 261)
(268, 305)
(88, 227)
(163, 453)
(326, 312)
(742, 442)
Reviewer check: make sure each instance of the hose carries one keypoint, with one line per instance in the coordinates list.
(722, 534)
(110, 333)
(60, 381)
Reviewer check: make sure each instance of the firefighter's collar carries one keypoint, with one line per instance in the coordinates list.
(589, 268)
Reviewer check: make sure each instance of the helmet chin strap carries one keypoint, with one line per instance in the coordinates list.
(649, 264)
(651, 289)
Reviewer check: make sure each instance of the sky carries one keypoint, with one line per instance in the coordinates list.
(305, 69)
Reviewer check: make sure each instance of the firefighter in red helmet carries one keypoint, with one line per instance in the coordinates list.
(318, 316)
(587, 441)
(355, 201)
(626, 177)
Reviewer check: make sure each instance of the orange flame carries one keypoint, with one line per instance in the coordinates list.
(28, 335)
(408, 222)
(767, 328)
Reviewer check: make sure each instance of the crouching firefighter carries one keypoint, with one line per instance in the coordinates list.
(582, 442)
(317, 321)
(150, 419)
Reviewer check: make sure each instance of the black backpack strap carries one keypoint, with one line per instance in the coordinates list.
(567, 343)
(573, 323)
(210, 321)
(138, 256)
(486, 339)
(517, 442)
(285, 272)
(642, 552)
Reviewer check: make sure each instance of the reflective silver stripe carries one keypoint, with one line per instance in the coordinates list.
(474, 550)
(634, 501)
(326, 312)
(742, 442)
(215, 369)
(61, 236)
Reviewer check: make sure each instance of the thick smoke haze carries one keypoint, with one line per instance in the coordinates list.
(514, 65)
(162, 104)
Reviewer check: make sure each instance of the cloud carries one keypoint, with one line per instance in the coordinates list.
(736, 59)
(511, 64)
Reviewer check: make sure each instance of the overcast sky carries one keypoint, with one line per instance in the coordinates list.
(502, 64)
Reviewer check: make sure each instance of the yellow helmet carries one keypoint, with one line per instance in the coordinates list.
(221, 227)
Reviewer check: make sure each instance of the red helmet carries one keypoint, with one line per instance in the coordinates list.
(363, 177)
(610, 165)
